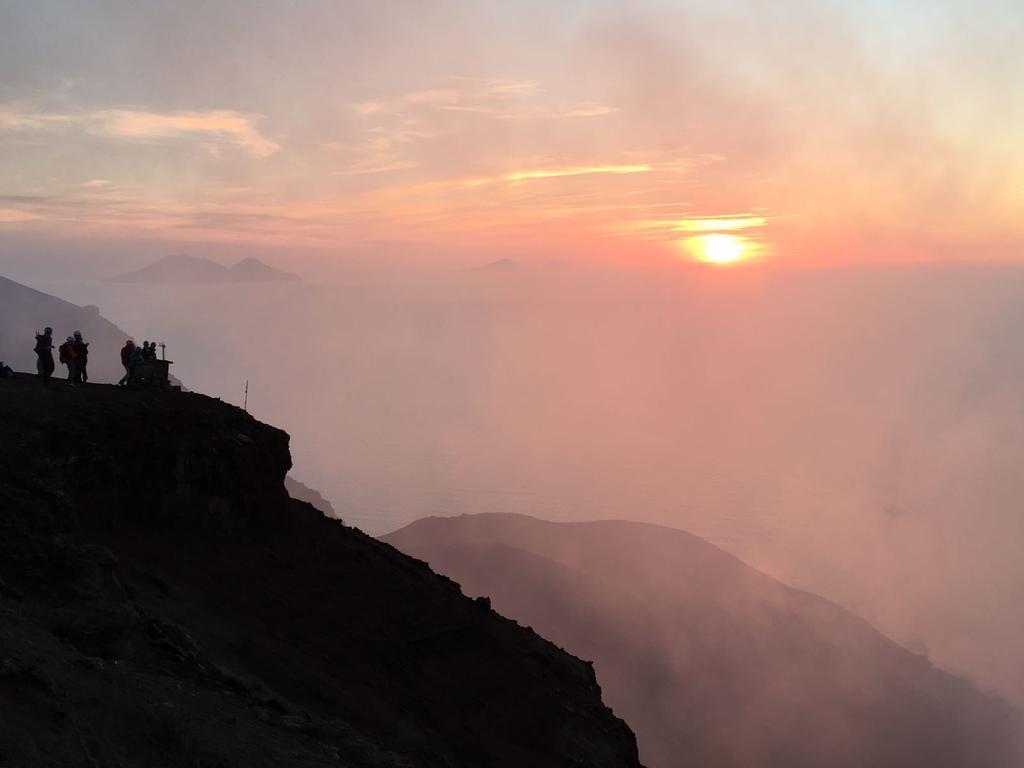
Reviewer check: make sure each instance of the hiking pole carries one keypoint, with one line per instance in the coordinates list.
(245, 404)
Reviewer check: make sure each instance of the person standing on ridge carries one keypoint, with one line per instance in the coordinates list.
(81, 358)
(44, 353)
(126, 357)
(67, 356)
(134, 358)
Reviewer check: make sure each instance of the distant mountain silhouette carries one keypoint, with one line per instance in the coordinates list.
(252, 270)
(712, 662)
(181, 268)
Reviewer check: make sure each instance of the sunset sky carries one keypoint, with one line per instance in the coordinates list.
(801, 132)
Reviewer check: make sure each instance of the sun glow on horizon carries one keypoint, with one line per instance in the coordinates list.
(720, 249)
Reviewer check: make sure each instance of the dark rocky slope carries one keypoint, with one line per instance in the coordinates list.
(164, 602)
(711, 662)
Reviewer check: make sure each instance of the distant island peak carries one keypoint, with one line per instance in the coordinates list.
(182, 268)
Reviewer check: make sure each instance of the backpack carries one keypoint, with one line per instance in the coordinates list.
(67, 352)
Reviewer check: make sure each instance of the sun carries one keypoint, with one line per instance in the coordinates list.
(720, 249)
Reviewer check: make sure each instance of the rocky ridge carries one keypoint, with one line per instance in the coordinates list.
(164, 602)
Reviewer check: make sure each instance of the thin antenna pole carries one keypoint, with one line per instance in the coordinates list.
(245, 405)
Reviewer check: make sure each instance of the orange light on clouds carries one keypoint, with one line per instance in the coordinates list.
(720, 223)
(536, 174)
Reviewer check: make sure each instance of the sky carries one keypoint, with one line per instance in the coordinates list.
(791, 132)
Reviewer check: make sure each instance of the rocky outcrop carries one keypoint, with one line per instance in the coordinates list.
(164, 602)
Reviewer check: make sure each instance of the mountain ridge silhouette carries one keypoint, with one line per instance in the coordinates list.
(182, 268)
(711, 661)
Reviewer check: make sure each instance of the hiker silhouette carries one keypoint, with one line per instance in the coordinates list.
(134, 358)
(67, 356)
(126, 361)
(81, 358)
(44, 355)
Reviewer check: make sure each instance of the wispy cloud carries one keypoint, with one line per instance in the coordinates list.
(16, 216)
(21, 116)
(729, 223)
(488, 86)
(219, 127)
(533, 113)
(538, 174)
(384, 168)
(394, 132)
(382, 149)
(435, 97)
(223, 126)
(489, 98)
(670, 226)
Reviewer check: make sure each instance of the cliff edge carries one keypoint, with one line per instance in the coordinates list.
(164, 602)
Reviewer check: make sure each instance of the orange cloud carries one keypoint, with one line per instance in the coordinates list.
(16, 216)
(225, 126)
(221, 126)
(535, 174)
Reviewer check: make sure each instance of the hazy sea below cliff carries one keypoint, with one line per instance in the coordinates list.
(854, 434)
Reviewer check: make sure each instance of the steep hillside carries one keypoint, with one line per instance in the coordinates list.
(164, 602)
(711, 662)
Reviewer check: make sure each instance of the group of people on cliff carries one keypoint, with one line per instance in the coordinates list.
(74, 353)
(132, 355)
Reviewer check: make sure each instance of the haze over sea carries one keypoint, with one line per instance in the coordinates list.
(854, 432)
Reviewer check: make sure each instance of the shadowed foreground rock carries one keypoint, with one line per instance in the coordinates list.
(164, 602)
